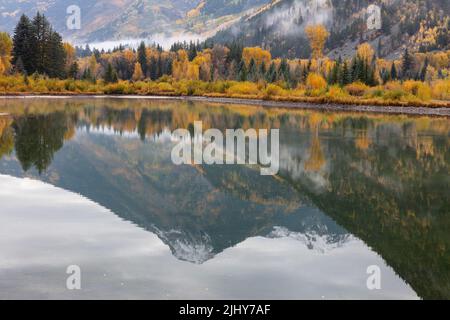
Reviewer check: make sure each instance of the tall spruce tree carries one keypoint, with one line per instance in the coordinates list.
(142, 58)
(23, 55)
(39, 47)
(407, 65)
(394, 75)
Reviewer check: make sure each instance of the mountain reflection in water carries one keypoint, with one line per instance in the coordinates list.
(344, 177)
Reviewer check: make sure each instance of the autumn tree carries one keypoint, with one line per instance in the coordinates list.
(70, 55)
(5, 52)
(258, 55)
(138, 74)
(366, 52)
(317, 35)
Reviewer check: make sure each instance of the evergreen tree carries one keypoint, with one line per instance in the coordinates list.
(394, 75)
(271, 75)
(39, 47)
(73, 71)
(142, 58)
(55, 57)
(153, 69)
(284, 72)
(23, 57)
(19, 67)
(242, 72)
(110, 74)
(192, 53)
(262, 70)
(252, 71)
(345, 77)
(407, 65)
(423, 72)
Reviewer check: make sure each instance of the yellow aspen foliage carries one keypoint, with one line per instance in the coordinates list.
(317, 35)
(180, 65)
(193, 72)
(182, 55)
(314, 67)
(257, 54)
(366, 52)
(93, 65)
(327, 66)
(2, 68)
(182, 69)
(70, 54)
(5, 52)
(316, 160)
(129, 55)
(315, 82)
(203, 61)
(138, 74)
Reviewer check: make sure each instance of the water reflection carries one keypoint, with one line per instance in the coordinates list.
(344, 177)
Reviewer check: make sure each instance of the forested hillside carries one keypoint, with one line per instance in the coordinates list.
(421, 25)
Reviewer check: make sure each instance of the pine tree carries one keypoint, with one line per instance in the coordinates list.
(73, 71)
(23, 57)
(142, 58)
(242, 72)
(335, 72)
(39, 47)
(345, 77)
(19, 67)
(284, 71)
(271, 75)
(423, 72)
(407, 65)
(262, 70)
(394, 74)
(110, 74)
(55, 57)
(252, 71)
(153, 70)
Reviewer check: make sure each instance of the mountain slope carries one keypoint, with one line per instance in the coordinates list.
(420, 24)
(104, 20)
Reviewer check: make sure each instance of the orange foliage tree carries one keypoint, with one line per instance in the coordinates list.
(317, 35)
(257, 54)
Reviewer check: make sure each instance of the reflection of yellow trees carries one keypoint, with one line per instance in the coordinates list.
(363, 140)
(5, 122)
(70, 133)
(6, 136)
(316, 159)
(181, 114)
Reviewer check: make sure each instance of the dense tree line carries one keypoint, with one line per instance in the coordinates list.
(38, 48)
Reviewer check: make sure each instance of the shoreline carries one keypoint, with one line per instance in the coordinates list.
(333, 107)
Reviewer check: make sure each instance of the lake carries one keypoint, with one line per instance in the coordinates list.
(90, 183)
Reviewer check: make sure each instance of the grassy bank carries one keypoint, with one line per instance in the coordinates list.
(409, 93)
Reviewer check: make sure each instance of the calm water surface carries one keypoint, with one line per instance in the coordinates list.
(90, 182)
